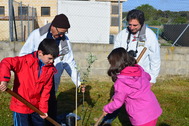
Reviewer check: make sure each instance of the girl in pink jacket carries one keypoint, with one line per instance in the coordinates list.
(132, 88)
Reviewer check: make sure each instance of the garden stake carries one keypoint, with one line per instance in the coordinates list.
(31, 106)
(137, 60)
(141, 54)
(76, 97)
(102, 116)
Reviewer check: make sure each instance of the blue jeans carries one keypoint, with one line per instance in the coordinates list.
(110, 117)
(27, 119)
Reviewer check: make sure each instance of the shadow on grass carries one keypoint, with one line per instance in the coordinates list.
(66, 103)
(66, 100)
(164, 124)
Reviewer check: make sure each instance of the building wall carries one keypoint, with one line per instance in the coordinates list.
(4, 30)
(53, 4)
(42, 20)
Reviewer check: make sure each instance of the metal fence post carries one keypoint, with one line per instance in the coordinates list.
(28, 21)
(33, 18)
(11, 20)
(119, 15)
(21, 21)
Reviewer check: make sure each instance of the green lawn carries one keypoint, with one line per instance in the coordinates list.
(172, 93)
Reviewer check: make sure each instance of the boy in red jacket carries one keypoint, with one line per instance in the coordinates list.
(33, 81)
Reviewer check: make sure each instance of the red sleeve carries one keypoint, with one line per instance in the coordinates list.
(43, 104)
(9, 64)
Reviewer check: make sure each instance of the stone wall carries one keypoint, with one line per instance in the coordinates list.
(174, 60)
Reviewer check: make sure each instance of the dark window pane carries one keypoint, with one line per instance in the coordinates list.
(2, 10)
(45, 11)
(22, 10)
(114, 21)
(115, 9)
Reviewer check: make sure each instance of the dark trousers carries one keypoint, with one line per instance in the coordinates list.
(27, 119)
(52, 111)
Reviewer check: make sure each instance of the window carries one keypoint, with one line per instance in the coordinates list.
(45, 11)
(115, 9)
(114, 21)
(23, 11)
(2, 10)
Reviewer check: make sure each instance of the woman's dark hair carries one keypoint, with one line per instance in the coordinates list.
(49, 46)
(119, 59)
(136, 14)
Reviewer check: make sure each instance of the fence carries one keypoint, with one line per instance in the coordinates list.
(17, 22)
(18, 19)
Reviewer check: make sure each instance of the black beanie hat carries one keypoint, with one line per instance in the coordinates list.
(61, 21)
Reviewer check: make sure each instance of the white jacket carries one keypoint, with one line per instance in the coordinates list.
(66, 62)
(151, 59)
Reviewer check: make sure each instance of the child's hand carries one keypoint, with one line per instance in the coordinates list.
(44, 116)
(104, 113)
(3, 85)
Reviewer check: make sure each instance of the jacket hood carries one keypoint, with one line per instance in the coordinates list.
(131, 76)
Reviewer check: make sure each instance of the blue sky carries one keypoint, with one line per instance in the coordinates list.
(172, 5)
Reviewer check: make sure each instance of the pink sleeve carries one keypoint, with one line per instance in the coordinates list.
(119, 97)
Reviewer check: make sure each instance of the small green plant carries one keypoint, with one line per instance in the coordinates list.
(90, 60)
(85, 74)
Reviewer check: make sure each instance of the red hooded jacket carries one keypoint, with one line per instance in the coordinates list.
(27, 84)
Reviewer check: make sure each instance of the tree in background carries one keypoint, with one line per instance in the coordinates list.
(159, 17)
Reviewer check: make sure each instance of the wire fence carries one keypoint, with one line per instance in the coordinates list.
(17, 22)
(18, 19)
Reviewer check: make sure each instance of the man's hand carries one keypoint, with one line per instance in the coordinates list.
(44, 116)
(3, 85)
(82, 88)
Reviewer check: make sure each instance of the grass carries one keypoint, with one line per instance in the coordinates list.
(172, 93)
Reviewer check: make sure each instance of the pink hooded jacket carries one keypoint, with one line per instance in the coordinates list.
(132, 88)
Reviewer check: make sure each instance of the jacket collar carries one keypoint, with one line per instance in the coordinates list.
(44, 29)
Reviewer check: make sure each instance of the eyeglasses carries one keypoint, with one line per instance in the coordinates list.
(133, 25)
(61, 33)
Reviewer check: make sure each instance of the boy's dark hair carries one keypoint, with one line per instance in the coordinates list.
(49, 46)
(119, 59)
(136, 14)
